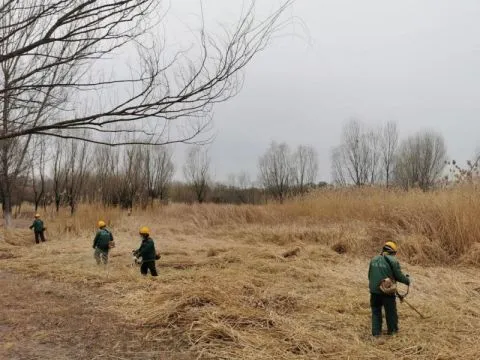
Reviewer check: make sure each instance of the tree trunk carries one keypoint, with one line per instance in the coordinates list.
(72, 206)
(6, 188)
(7, 208)
(57, 202)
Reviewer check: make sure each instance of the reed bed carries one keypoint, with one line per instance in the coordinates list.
(277, 281)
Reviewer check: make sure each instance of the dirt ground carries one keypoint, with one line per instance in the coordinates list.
(43, 319)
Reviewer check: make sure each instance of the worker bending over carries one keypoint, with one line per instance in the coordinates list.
(147, 252)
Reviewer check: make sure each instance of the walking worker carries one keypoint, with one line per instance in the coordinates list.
(38, 228)
(147, 252)
(102, 243)
(383, 273)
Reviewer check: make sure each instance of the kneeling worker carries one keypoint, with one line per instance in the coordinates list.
(102, 243)
(147, 252)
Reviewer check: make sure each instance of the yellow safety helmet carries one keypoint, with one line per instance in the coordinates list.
(37, 215)
(101, 224)
(390, 246)
(144, 230)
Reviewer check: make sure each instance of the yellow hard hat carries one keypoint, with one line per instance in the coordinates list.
(144, 230)
(390, 245)
(101, 224)
(37, 215)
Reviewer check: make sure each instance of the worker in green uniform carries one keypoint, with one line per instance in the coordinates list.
(38, 229)
(385, 267)
(147, 252)
(102, 243)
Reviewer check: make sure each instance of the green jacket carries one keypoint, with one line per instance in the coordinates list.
(102, 239)
(37, 225)
(146, 250)
(381, 267)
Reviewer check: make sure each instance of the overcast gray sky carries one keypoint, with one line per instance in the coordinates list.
(415, 62)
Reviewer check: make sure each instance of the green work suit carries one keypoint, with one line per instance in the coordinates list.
(381, 267)
(101, 244)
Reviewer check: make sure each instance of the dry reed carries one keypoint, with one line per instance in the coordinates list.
(226, 291)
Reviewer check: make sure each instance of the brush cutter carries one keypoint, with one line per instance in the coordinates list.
(402, 300)
(135, 259)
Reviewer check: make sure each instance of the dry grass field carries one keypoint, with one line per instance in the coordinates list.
(228, 289)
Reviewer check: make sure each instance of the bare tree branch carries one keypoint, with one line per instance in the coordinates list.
(56, 44)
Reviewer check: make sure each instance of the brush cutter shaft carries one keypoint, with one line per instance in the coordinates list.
(413, 308)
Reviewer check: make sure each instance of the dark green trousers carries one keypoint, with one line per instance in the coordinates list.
(377, 302)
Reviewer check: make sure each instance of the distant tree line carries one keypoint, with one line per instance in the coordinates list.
(64, 75)
(66, 172)
(376, 156)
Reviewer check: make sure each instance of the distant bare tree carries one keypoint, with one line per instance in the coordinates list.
(240, 186)
(13, 166)
(389, 146)
(196, 171)
(421, 160)
(38, 170)
(58, 172)
(338, 166)
(353, 154)
(304, 165)
(374, 153)
(275, 170)
(107, 179)
(158, 172)
(357, 159)
(75, 170)
(243, 180)
(131, 177)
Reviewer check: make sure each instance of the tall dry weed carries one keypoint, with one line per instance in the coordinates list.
(432, 227)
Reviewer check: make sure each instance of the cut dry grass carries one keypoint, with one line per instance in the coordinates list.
(276, 281)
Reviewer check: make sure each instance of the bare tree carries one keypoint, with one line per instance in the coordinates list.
(353, 154)
(304, 167)
(107, 178)
(421, 160)
(275, 170)
(38, 170)
(13, 166)
(75, 171)
(358, 158)
(338, 166)
(159, 171)
(389, 146)
(52, 53)
(131, 177)
(58, 172)
(240, 188)
(373, 154)
(196, 171)
(56, 44)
